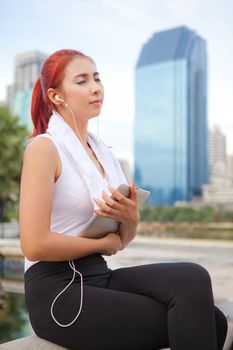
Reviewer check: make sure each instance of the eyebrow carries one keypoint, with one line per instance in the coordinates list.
(85, 75)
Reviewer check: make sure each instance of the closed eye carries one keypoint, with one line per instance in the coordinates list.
(84, 81)
(81, 82)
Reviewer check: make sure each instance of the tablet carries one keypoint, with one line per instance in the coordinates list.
(98, 226)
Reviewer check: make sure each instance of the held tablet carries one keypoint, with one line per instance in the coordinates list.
(98, 226)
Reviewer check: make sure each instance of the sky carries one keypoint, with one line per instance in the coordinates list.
(113, 32)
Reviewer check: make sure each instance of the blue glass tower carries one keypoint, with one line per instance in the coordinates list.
(171, 132)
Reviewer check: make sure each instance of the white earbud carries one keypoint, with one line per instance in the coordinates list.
(58, 98)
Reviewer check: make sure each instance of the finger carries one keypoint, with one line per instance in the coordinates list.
(116, 194)
(133, 192)
(105, 215)
(101, 213)
(110, 201)
(104, 207)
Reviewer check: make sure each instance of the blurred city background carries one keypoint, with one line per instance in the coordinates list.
(167, 70)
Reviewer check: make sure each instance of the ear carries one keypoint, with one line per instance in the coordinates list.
(51, 95)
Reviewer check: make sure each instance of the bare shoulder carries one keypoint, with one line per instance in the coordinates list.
(41, 153)
(41, 147)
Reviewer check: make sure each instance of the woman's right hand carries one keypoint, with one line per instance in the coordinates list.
(110, 244)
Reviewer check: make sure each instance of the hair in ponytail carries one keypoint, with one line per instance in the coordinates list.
(40, 110)
(51, 76)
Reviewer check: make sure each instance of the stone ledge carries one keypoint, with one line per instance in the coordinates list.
(32, 342)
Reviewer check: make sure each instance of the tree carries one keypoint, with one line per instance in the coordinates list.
(2, 295)
(13, 137)
(14, 318)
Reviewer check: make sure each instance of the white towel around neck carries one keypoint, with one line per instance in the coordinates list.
(73, 148)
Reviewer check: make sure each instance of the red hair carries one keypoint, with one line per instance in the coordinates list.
(51, 76)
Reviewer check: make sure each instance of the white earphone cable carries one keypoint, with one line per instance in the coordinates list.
(72, 266)
(71, 262)
(75, 123)
(98, 129)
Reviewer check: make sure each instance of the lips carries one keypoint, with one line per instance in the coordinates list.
(96, 101)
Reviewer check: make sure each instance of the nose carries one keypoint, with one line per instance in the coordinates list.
(96, 87)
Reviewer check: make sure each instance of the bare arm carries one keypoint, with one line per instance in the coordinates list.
(36, 195)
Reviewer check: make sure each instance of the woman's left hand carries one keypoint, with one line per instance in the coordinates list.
(119, 207)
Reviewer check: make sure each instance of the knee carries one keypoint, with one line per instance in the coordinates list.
(197, 274)
(196, 281)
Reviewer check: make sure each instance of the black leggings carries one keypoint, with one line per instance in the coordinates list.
(146, 307)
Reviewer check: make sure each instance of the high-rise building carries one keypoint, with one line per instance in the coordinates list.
(217, 146)
(27, 70)
(10, 96)
(171, 133)
(219, 190)
(230, 165)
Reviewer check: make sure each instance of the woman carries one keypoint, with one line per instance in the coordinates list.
(73, 298)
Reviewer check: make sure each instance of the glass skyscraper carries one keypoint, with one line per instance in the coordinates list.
(171, 132)
(27, 70)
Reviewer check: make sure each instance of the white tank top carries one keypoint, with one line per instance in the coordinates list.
(72, 207)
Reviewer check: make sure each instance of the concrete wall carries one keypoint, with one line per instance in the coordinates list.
(9, 230)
